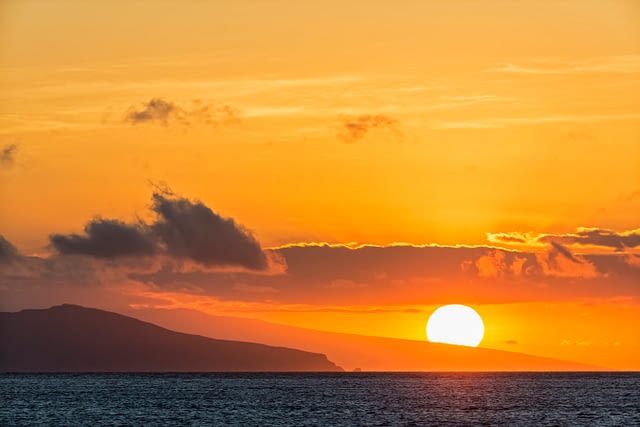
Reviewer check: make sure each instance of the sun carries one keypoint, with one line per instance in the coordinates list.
(455, 324)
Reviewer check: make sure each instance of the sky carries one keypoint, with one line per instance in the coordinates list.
(341, 166)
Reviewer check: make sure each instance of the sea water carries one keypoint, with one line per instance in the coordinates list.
(372, 399)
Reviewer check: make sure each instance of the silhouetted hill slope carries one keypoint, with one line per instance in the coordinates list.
(357, 351)
(70, 338)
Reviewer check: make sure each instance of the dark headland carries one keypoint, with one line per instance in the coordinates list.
(69, 338)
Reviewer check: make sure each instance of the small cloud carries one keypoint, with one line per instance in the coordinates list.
(511, 342)
(512, 237)
(491, 265)
(7, 155)
(356, 128)
(158, 110)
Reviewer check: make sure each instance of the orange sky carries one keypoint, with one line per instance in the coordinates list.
(514, 125)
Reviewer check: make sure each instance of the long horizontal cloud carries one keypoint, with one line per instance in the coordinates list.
(583, 236)
(159, 110)
(334, 275)
(183, 229)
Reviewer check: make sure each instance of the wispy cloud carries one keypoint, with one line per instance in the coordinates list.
(615, 64)
(499, 122)
(354, 129)
(583, 236)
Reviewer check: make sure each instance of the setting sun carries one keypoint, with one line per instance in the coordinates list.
(455, 324)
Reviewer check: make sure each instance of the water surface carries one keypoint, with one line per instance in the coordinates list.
(384, 399)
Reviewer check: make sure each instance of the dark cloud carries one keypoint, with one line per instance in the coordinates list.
(183, 229)
(511, 342)
(7, 155)
(192, 230)
(158, 110)
(356, 128)
(8, 252)
(596, 237)
(106, 238)
(557, 248)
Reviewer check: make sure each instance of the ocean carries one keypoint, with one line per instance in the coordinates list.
(327, 399)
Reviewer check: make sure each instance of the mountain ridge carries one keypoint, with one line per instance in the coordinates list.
(72, 338)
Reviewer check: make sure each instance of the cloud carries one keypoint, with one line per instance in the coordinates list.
(8, 252)
(371, 275)
(328, 276)
(106, 238)
(512, 237)
(511, 342)
(623, 64)
(558, 261)
(159, 110)
(156, 110)
(596, 237)
(583, 236)
(7, 155)
(558, 248)
(192, 230)
(491, 265)
(183, 230)
(501, 122)
(356, 128)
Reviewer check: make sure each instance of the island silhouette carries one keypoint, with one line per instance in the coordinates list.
(70, 338)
